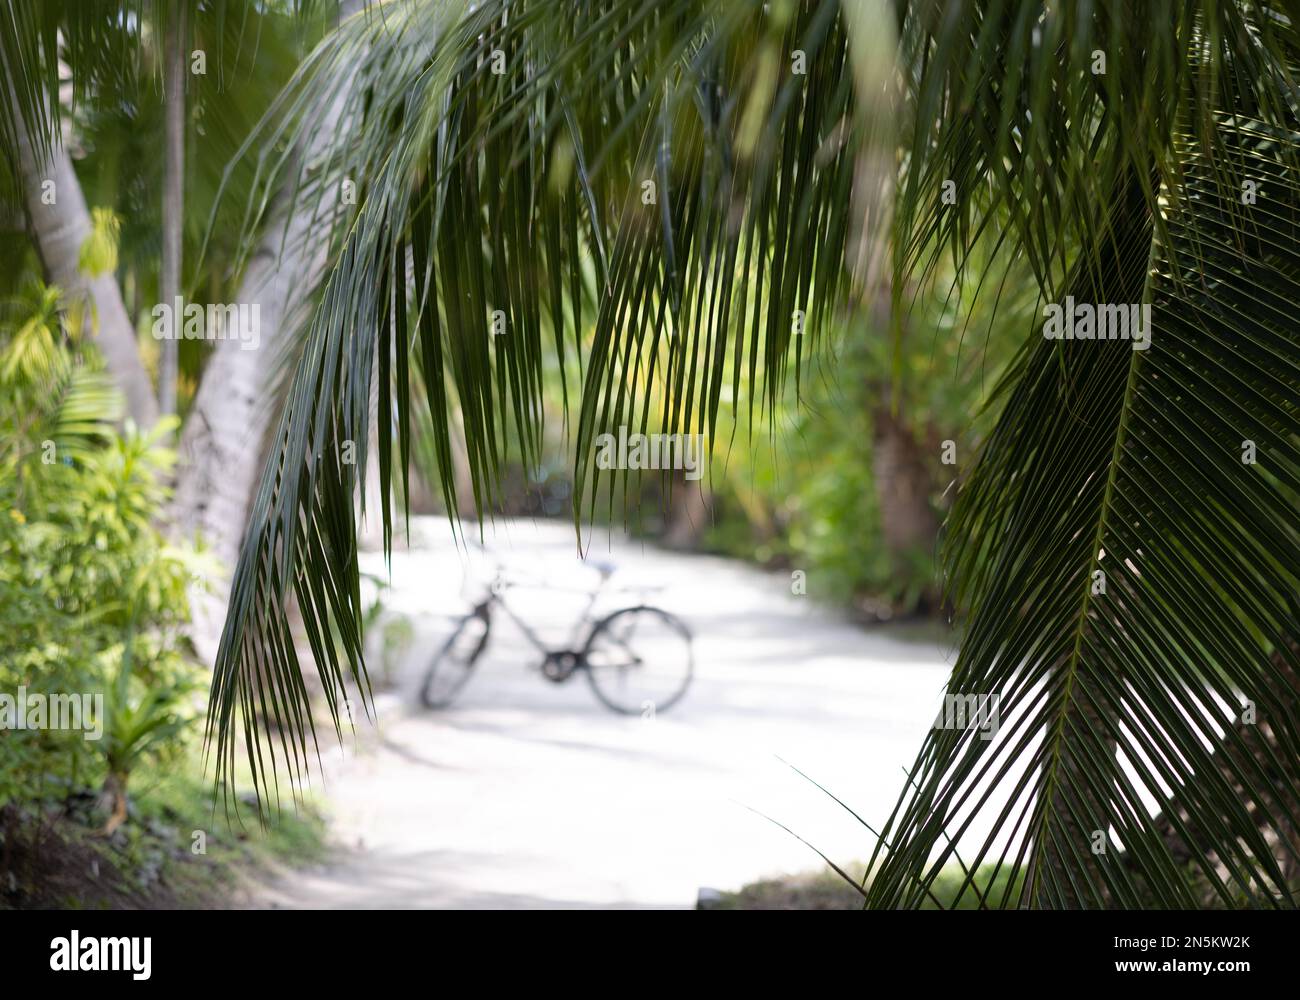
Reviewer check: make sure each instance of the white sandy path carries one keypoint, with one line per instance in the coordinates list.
(528, 794)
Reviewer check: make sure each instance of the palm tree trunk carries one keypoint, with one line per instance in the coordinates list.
(689, 513)
(225, 432)
(903, 485)
(899, 467)
(224, 438)
(60, 223)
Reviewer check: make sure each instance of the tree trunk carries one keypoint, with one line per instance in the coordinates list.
(223, 440)
(903, 486)
(113, 801)
(688, 515)
(225, 432)
(173, 206)
(899, 468)
(60, 224)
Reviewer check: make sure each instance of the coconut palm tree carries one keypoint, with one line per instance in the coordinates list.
(221, 445)
(688, 194)
(1124, 548)
(60, 52)
(90, 56)
(48, 189)
(564, 176)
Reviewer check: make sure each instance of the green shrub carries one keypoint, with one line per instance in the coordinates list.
(92, 595)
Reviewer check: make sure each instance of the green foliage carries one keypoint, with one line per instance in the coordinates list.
(1127, 186)
(804, 494)
(171, 855)
(94, 596)
(143, 716)
(452, 161)
(663, 170)
(112, 53)
(521, 190)
(99, 251)
(805, 498)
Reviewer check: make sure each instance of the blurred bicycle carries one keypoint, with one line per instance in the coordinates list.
(638, 659)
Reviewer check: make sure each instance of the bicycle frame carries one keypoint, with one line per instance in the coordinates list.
(496, 598)
(559, 664)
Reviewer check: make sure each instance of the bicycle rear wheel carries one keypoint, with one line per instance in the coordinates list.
(450, 670)
(639, 660)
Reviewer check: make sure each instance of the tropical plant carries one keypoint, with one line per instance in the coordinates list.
(808, 496)
(690, 175)
(60, 403)
(89, 73)
(1129, 564)
(140, 720)
(592, 159)
(94, 595)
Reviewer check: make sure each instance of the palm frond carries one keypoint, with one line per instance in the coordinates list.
(95, 41)
(522, 169)
(85, 410)
(499, 154)
(1129, 565)
(31, 35)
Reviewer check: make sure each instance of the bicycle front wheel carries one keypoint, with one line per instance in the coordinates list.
(452, 668)
(639, 660)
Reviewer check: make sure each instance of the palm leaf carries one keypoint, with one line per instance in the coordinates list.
(1129, 768)
(96, 41)
(500, 153)
(518, 192)
(85, 410)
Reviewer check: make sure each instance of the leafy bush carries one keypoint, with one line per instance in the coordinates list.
(93, 595)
